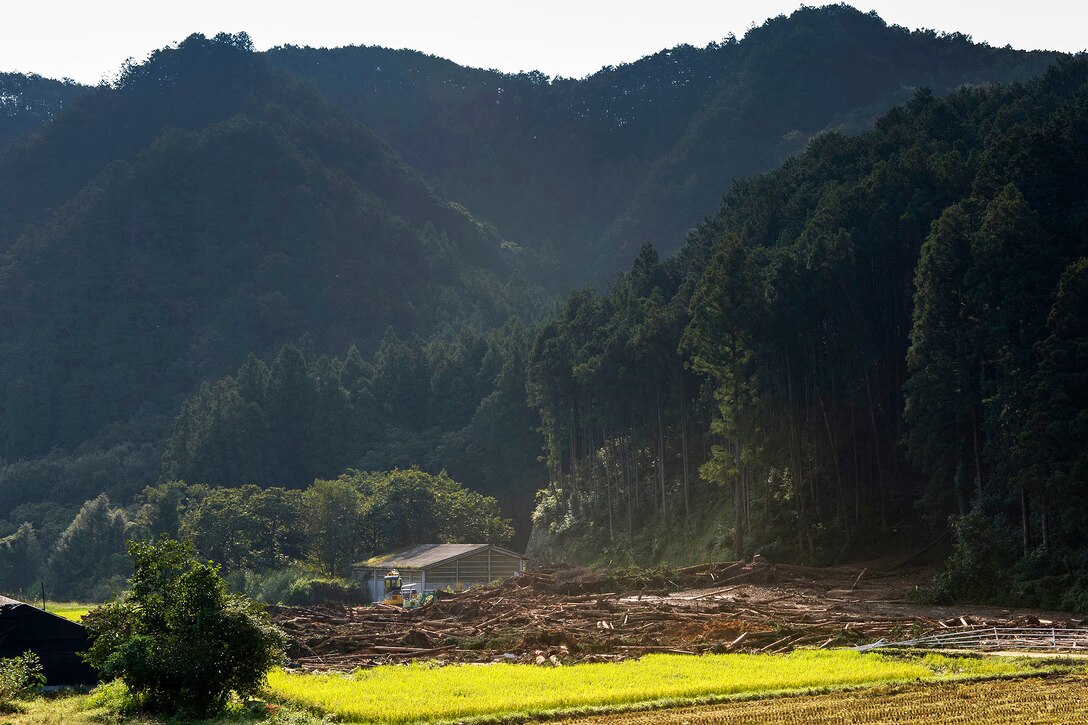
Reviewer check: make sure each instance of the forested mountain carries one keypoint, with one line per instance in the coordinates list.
(220, 210)
(232, 268)
(886, 331)
(278, 218)
(589, 169)
(28, 101)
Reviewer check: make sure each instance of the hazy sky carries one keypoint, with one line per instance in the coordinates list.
(89, 40)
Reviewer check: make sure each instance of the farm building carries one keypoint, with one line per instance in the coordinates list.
(440, 566)
(54, 639)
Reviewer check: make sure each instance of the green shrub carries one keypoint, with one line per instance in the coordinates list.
(293, 586)
(270, 587)
(310, 590)
(979, 565)
(20, 676)
(178, 640)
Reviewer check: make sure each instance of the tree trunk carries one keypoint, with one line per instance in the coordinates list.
(660, 453)
(1025, 519)
(1044, 515)
(684, 448)
(876, 448)
(607, 448)
(628, 486)
(738, 510)
(978, 457)
(797, 479)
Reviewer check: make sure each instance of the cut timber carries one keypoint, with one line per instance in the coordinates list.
(580, 616)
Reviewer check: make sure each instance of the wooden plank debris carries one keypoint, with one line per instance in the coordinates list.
(573, 615)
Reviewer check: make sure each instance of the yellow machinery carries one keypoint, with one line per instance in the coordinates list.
(392, 589)
(398, 595)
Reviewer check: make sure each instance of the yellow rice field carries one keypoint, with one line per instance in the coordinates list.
(422, 693)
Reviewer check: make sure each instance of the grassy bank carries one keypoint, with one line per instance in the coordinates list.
(421, 693)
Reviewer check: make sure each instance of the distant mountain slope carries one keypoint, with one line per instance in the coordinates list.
(588, 169)
(831, 68)
(188, 87)
(279, 217)
(27, 101)
(551, 164)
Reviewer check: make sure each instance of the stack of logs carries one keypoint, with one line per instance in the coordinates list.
(571, 615)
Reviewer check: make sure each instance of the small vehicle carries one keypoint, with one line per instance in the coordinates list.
(399, 594)
(393, 588)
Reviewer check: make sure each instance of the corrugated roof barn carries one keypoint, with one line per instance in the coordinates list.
(54, 639)
(440, 566)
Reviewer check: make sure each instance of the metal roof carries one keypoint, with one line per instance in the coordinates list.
(422, 556)
(6, 602)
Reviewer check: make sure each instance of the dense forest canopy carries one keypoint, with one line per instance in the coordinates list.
(28, 101)
(250, 271)
(280, 218)
(884, 332)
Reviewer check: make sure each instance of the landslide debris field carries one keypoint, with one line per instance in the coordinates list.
(568, 614)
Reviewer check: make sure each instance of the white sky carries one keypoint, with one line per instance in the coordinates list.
(89, 40)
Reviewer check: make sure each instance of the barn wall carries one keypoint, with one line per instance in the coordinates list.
(482, 567)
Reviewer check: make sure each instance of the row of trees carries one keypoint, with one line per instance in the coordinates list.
(328, 525)
(624, 422)
(887, 330)
(454, 403)
(324, 528)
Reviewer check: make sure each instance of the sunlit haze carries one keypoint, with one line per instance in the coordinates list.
(89, 41)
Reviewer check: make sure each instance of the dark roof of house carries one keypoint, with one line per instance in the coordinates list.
(54, 639)
(422, 556)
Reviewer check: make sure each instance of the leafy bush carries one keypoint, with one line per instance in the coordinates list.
(1075, 598)
(310, 590)
(979, 565)
(178, 640)
(270, 587)
(294, 586)
(20, 676)
(1052, 579)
